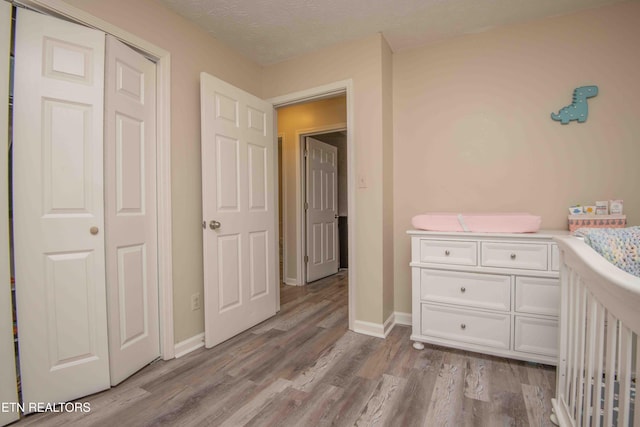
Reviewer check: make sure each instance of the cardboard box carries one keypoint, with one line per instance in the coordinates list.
(596, 221)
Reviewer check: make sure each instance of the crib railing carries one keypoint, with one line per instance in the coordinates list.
(599, 325)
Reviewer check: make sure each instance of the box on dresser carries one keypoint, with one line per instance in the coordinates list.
(493, 293)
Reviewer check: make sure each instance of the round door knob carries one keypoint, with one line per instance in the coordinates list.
(463, 326)
(447, 253)
(513, 256)
(214, 225)
(94, 230)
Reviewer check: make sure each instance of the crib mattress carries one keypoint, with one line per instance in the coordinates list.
(516, 222)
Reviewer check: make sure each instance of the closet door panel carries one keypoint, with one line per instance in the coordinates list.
(130, 210)
(59, 209)
(8, 386)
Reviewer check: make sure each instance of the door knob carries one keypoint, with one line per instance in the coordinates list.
(94, 230)
(214, 225)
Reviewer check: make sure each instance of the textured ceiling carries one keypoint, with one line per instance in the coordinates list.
(270, 31)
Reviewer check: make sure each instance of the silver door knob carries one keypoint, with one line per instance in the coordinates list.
(214, 225)
(94, 230)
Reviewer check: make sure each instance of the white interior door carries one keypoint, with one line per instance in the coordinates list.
(130, 210)
(239, 209)
(321, 209)
(8, 386)
(59, 208)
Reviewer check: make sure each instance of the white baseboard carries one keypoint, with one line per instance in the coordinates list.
(190, 344)
(403, 318)
(382, 330)
(291, 282)
(369, 328)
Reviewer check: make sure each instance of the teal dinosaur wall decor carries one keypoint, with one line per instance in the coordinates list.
(578, 110)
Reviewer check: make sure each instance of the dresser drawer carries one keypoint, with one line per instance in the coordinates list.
(448, 252)
(536, 336)
(490, 291)
(474, 327)
(537, 295)
(527, 256)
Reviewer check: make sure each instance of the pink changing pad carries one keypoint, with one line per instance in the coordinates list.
(478, 222)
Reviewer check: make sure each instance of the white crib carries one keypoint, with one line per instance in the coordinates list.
(599, 325)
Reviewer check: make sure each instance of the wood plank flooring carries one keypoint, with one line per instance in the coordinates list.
(304, 367)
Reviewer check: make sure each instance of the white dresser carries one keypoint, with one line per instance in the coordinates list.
(493, 293)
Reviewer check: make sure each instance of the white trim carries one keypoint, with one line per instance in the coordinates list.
(403, 319)
(313, 94)
(293, 281)
(369, 328)
(383, 331)
(328, 90)
(389, 324)
(163, 68)
(375, 329)
(300, 182)
(190, 344)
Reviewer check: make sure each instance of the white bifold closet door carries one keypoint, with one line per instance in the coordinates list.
(239, 205)
(84, 209)
(8, 386)
(59, 208)
(130, 210)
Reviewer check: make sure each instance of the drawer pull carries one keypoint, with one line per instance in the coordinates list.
(447, 253)
(463, 289)
(463, 326)
(513, 256)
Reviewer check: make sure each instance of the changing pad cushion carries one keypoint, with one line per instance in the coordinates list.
(619, 246)
(478, 222)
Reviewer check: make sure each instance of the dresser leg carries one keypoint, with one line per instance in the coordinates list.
(418, 345)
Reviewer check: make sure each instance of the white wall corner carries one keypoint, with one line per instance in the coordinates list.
(190, 344)
(403, 319)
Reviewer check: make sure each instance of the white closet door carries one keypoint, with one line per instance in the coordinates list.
(59, 209)
(130, 210)
(8, 386)
(239, 209)
(322, 209)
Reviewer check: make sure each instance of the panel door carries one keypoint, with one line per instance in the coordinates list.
(321, 209)
(8, 386)
(130, 210)
(58, 208)
(239, 209)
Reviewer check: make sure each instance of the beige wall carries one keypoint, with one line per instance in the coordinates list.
(472, 129)
(292, 121)
(360, 61)
(192, 51)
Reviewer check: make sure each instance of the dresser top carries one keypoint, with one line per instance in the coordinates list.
(542, 234)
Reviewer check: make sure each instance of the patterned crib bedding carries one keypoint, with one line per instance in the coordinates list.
(620, 246)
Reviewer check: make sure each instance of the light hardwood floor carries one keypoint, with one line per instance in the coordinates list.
(304, 367)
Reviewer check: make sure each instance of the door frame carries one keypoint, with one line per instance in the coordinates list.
(301, 180)
(162, 58)
(314, 94)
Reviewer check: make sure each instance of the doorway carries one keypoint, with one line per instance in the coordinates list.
(330, 90)
(296, 122)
